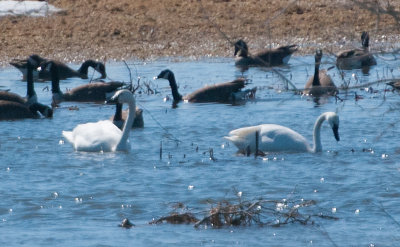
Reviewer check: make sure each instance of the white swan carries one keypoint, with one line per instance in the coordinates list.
(277, 138)
(104, 135)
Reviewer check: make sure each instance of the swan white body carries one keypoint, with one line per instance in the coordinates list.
(277, 138)
(104, 135)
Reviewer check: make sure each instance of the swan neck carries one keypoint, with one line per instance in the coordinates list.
(174, 88)
(317, 134)
(128, 123)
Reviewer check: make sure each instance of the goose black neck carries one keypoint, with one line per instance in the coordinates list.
(118, 112)
(55, 79)
(365, 42)
(174, 88)
(29, 79)
(316, 81)
(85, 66)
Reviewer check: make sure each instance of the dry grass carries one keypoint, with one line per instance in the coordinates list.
(146, 29)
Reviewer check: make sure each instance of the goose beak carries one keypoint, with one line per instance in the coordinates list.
(335, 129)
(111, 101)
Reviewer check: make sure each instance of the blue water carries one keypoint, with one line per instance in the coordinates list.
(53, 196)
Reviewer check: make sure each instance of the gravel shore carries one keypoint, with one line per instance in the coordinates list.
(148, 29)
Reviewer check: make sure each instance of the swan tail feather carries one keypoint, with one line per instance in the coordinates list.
(69, 136)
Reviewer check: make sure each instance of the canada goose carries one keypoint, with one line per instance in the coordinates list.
(104, 135)
(271, 57)
(10, 110)
(64, 71)
(31, 96)
(277, 138)
(320, 83)
(91, 92)
(222, 92)
(120, 117)
(356, 58)
(22, 65)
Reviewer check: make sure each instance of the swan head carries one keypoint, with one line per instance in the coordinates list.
(121, 96)
(241, 48)
(165, 74)
(333, 120)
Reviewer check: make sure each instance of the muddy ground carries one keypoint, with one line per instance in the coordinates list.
(147, 29)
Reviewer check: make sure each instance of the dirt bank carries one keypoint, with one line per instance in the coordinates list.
(147, 29)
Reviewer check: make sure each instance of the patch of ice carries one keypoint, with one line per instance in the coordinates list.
(26, 8)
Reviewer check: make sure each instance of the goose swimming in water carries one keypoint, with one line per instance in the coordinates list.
(270, 57)
(10, 110)
(320, 83)
(222, 92)
(356, 58)
(104, 135)
(91, 92)
(31, 96)
(64, 70)
(22, 65)
(120, 116)
(277, 138)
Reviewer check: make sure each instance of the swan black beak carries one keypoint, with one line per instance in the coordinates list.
(335, 129)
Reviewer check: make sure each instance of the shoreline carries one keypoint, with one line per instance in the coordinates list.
(150, 30)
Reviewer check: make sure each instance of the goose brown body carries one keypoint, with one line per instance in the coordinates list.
(356, 58)
(64, 70)
(320, 84)
(269, 57)
(121, 115)
(221, 92)
(91, 92)
(10, 110)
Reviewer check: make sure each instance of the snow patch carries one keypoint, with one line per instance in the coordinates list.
(26, 8)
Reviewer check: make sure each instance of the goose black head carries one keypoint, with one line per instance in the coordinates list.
(165, 74)
(241, 48)
(318, 56)
(101, 68)
(43, 109)
(36, 60)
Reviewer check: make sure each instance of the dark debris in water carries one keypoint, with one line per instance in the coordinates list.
(260, 212)
(175, 218)
(126, 223)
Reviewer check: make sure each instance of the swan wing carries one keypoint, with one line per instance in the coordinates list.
(244, 138)
(277, 138)
(94, 137)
